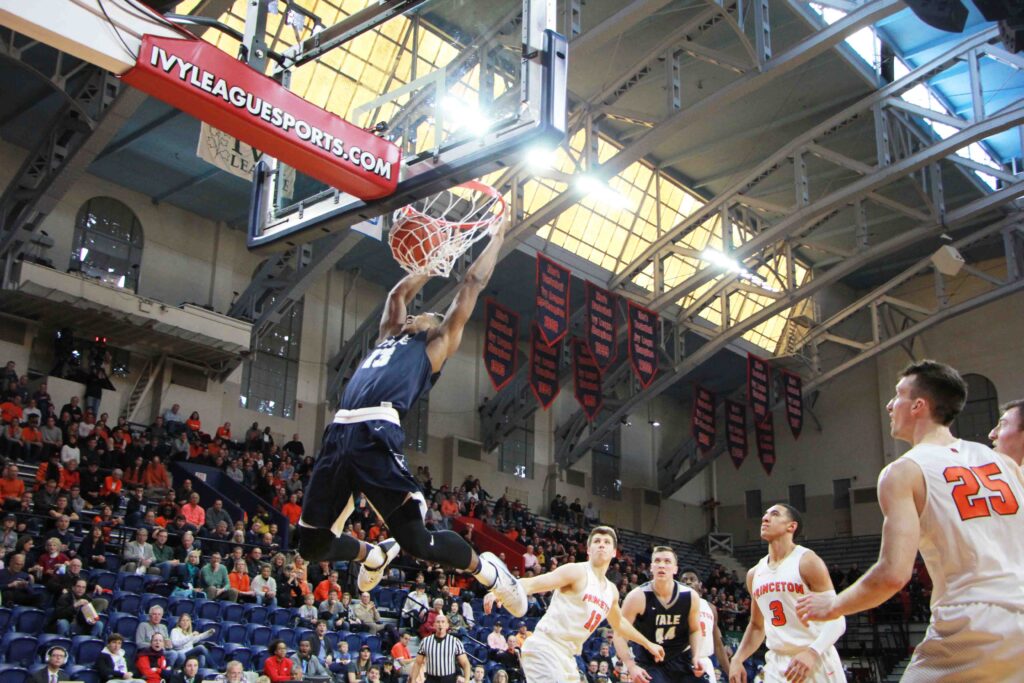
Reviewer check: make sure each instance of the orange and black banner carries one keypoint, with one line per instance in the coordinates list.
(543, 368)
(793, 385)
(759, 387)
(501, 331)
(736, 431)
(552, 299)
(643, 342)
(703, 418)
(586, 379)
(765, 431)
(601, 325)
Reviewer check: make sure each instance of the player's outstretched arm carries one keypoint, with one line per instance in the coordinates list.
(473, 282)
(632, 607)
(900, 486)
(752, 637)
(396, 308)
(629, 632)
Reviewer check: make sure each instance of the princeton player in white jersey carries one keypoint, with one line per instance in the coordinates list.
(1007, 436)
(582, 599)
(959, 503)
(711, 642)
(797, 651)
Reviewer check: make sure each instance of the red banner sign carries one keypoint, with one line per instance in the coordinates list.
(543, 368)
(602, 327)
(793, 385)
(501, 330)
(736, 431)
(759, 377)
(643, 343)
(703, 418)
(211, 85)
(552, 299)
(765, 431)
(586, 379)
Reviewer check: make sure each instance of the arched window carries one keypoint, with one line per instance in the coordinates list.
(980, 413)
(108, 243)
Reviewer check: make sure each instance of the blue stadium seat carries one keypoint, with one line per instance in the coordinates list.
(282, 616)
(201, 625)
(12, 673)
(258, 658)
(284, 633)
(150, 599)
(232, 611)
(130, 648)
(105, 579)
(132, 583)
(5, 618)
(179, 606)
(234, 633)
(113, 562)
(238, 653)
(257, 635)
(18, 648)
(86, 674)
(123, 623)
(208, 674)
(215, 654)
(47, 640)
(28, 619)
(255, 614)
(86, 649)
(373, 642)
(332, 639)
(354, 641)
(126, 601)
(208, 610)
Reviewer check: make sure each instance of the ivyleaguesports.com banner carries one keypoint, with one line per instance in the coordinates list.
(211, 85)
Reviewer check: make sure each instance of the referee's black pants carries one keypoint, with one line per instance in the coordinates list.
(441, 679)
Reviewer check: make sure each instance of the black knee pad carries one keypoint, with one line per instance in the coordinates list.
(315, 544)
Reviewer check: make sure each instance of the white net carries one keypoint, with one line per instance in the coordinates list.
(428, 236)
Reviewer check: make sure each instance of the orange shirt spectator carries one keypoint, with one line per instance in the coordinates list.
(240, 581)
(156, 476)
(69, 478)
(10, 411)
(449, 508)
(193, 423)
(11, 488)
(30, 434)
(292, 511)
(193, 512)
(43, 473)
(224, 431)
(324, 588)
(112, 485)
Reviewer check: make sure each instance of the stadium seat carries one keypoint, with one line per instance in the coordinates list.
(354, 641)
(130, 648)
(234, 633)
(86, 674)
(18, 648)
(201, 625)
(215, 654)
(12, 673)
(86, 649)
(179, 606)
(28, 619)
(258, 658)
(105, 579)
(123, 623)
(282, 616)
(238, 653)
(125, 601)
(332, 639)
(373, 642)
(150, 599)
(132, 583)
(5, 618)
(209, 610)
(257, 635)
(256, 614)
(47, 640)
(208, 674)
(232, 611)
(284, 633)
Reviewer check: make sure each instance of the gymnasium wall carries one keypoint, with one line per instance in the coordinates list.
(187, 258)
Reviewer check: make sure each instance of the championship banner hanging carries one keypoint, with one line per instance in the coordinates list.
(543, 368)
(586, 379)
(793, 385)
(703, 418)
(736, 431)
(758, 387)
(643, 340)
(211, 85)
(501, 330)
(601, 325)
(765, 431)
(552, 299)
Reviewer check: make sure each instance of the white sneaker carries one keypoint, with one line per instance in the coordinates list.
(506, 588)
(369, 577)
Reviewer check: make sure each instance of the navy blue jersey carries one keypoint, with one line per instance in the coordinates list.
(667, 625)
(397, 371)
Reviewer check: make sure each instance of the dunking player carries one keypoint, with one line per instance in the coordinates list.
(711, 642)
(959, 503)
(582, 599)
(668, 613)
(362, 449)
(796, 651)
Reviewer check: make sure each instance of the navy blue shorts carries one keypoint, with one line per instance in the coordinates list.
(363, 457)
(678, 669)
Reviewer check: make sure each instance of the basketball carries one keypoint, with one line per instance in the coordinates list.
(413, 239)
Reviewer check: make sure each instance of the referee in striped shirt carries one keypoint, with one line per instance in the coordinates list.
(442, 655)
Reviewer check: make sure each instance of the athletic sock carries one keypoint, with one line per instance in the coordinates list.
(486, 573)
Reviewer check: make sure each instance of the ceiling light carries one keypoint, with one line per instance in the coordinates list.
(465, 115)
(539, 158)
(599, 191)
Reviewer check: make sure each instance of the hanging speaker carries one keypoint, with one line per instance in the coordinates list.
(945, 15)
(947, 260)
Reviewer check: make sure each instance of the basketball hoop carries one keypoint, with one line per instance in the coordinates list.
(428, 236)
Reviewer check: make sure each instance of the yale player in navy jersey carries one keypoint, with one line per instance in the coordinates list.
(668, 613)
(362, 449)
